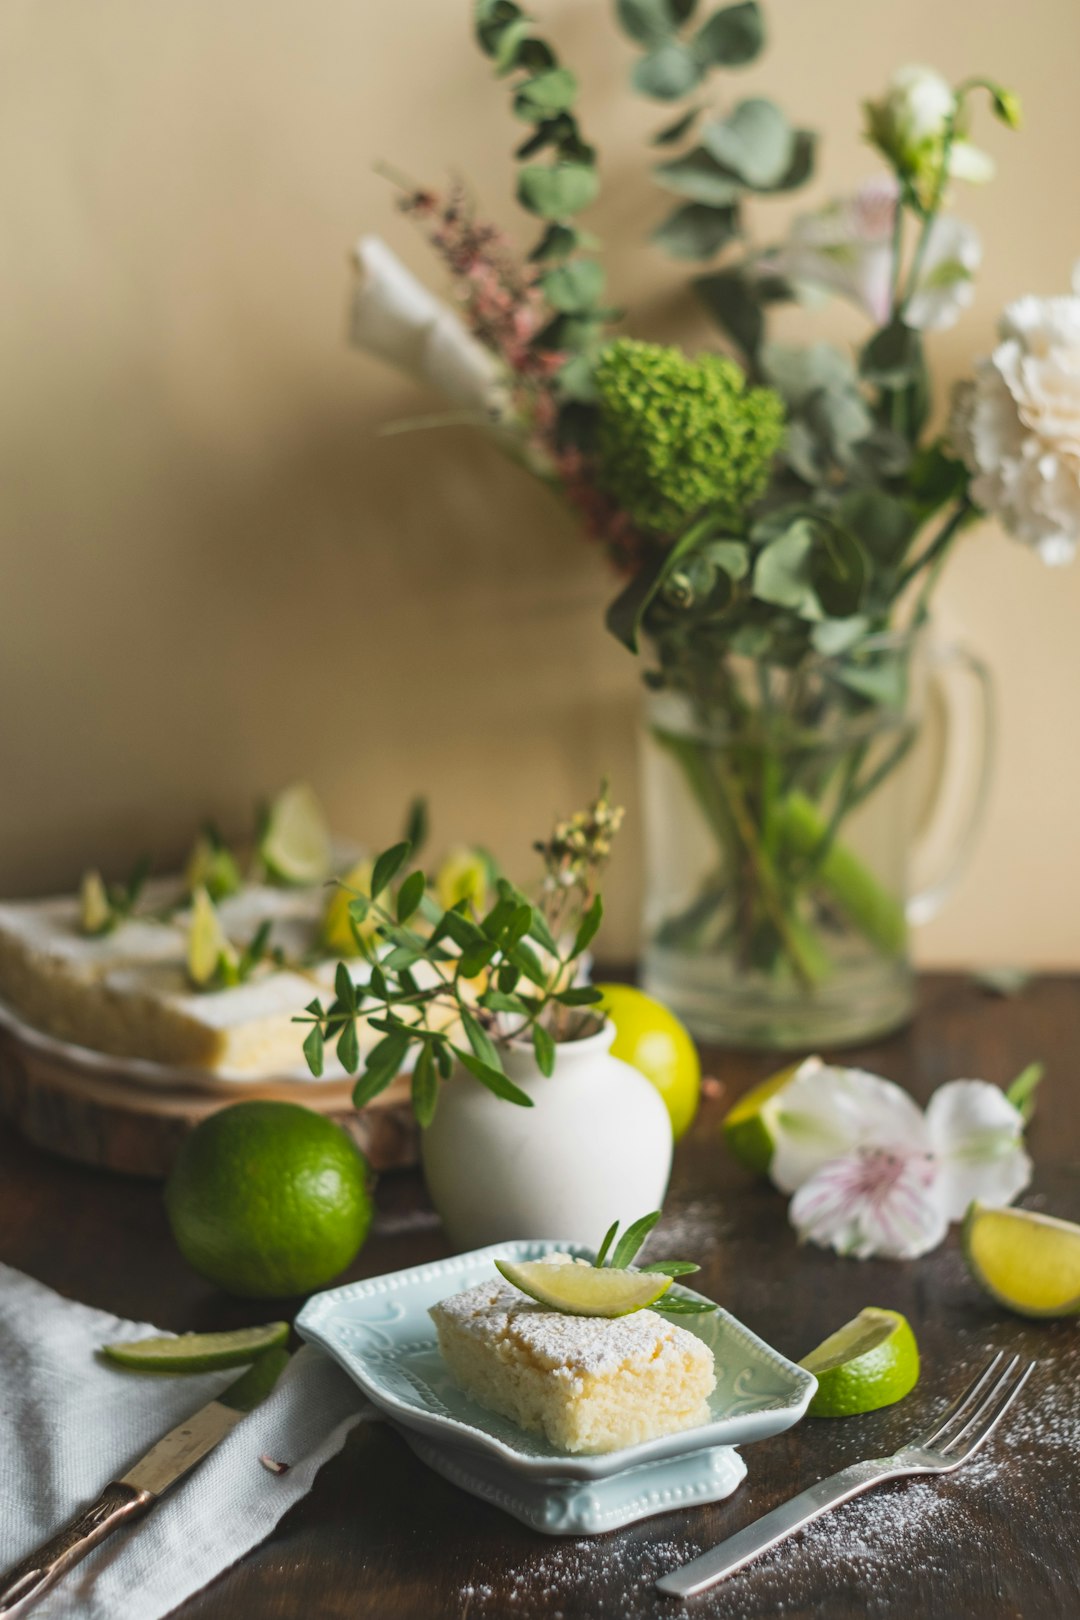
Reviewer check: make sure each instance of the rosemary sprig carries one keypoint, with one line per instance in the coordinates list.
(625, 1250)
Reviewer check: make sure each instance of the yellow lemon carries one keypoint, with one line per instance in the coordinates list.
(652, 1039)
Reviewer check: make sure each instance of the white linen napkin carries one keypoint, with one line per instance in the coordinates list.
(70, 1422)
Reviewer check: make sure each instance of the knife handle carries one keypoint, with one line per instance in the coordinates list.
(32, 1575)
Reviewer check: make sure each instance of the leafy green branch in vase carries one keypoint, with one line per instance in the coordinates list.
(442, 976)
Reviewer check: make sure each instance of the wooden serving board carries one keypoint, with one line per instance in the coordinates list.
(116, 1123)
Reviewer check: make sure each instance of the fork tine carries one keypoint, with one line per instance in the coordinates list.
(962, 1402)
(951, 1434)
(993, 1409)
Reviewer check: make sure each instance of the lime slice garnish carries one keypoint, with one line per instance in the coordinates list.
(295, 845)
(747, 1127)
(463, 875)
(584, 1290)
(871, 1361)
(95, 912)
(209, 949)
(198, 1352)
(212, 867)
(336, 932)
(1029, 1262)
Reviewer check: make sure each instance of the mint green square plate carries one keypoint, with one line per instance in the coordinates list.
(380, 1332)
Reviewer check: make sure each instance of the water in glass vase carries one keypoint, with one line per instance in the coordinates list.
(780, 810)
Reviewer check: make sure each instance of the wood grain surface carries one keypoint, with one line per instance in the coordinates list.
(381, 1536)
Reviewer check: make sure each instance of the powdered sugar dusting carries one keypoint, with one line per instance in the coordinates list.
(574, 1345)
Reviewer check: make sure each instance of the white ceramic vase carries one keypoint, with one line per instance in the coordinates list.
(595, 1147)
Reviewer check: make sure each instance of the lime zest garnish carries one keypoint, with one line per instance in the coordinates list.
(197, 1352)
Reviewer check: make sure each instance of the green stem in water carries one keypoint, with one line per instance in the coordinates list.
(844, 877)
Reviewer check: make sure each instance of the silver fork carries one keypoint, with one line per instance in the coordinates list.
(947, 1445)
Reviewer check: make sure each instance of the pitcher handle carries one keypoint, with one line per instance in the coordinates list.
(962, 792)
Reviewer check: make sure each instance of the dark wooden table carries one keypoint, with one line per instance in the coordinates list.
(381, 1536)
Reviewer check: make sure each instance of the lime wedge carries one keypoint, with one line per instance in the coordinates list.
(1031, 1263)
(747, 1127)
(295, 845)
(198, 1352)
(584, 1290)
(208, 947)
(463, 875)
(336, 932)
(871, 1361)
(212, 867)
(95, 912)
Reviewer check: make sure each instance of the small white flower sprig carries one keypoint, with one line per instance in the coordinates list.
(871, 1174)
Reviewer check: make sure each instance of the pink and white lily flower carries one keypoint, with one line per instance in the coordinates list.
(872, 1174)
(846, 248)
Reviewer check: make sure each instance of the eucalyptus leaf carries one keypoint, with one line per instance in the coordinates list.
(839, 570)
(731, 37)
(697, 175)
(697, 231)
(782, 571)
(557, 190)
(893, 356)
(650, 22)
(625, 614)
(671, 134)
(667, 73)
(557, 242)
(730, 556)
(833, 636)
(884, 523)
(576, 285)
(755, 142)
(734, 302)
(546, 93)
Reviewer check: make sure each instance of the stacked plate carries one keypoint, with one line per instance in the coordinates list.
(380, 1332)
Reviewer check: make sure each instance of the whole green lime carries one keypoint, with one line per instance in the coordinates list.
(268, 1199)
(652, 1039)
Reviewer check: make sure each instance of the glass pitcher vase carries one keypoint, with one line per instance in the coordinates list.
(786, 855)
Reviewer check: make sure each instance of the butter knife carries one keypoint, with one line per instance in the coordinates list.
(129, 1497)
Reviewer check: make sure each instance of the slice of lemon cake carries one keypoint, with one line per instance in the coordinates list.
(586, 1383)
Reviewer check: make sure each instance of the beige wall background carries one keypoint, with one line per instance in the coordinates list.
(215, 577)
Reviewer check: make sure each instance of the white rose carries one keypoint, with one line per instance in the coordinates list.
(1017, 426)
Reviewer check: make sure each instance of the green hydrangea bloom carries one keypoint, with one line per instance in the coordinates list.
(677, 435)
